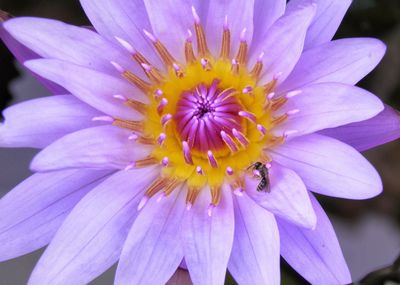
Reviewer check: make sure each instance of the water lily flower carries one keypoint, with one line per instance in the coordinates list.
(191, 133)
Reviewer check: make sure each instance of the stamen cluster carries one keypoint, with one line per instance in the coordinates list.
(208, 119)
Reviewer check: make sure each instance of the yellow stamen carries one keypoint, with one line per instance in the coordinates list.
(242, 53)
(192, 194)
(226, 44)
(257, 70)
(206, 64)
(171, 186)
(279, 120)
(238, 183)
(275, 141)
(265, 158)
(146, 140)
(146, 162)
(137, 81)
(136, 126)
(277, 103)
(167, 58)
(136, 105)
(178, 70)
(270, 86)
(235, 67)
(153, 74)
(216, 194)
(139, 58)
(267, 105)
(201, 40)
(189, 54)
(156, 186)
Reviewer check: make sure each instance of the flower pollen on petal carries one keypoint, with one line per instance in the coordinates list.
(208, 119)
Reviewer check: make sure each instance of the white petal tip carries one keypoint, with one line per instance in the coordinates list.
(277, 76)
(293, 93)
(120, 97)
(103, 119)
(261, 56)
(289, 133)
(226, 24)
(130, 166)
(189, 36)
(146, 66)
(243, 35)
(161, 197)
(133, 137)
(293, 112)
(271, 95)
(125, 45)
(117, 66)
(238, 192)
(195, 15)
(142, 203)
(150, 36)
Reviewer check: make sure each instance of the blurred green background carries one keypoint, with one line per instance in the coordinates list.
(371, 227)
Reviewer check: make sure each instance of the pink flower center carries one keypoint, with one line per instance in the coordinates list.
(204, 113)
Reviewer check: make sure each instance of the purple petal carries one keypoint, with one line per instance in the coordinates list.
(123, 19)
(381, 129)
(288, 198)
(329, 167)
(170, 21)
(328, 105)
(79, 45)
(283, 43)
(91, 238)
(329, 15)
(98, 147)
(207, 241)
(266, 12)
(344, 61)
(240, 16)
(92, 87)
(39, 122)
(32, 212)
(315, 254)
(151, 253)
(23, 54)
(255, 254)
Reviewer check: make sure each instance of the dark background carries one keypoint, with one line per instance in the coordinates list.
(369, 231)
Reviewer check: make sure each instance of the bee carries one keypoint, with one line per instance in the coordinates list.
(264, 184)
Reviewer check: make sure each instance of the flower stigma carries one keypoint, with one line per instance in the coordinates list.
(208, 118)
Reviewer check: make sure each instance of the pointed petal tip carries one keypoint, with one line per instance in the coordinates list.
(125, 45)
(195, 15)
(142, 203)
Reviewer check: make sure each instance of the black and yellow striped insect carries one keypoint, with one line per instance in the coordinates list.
(264, 185)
